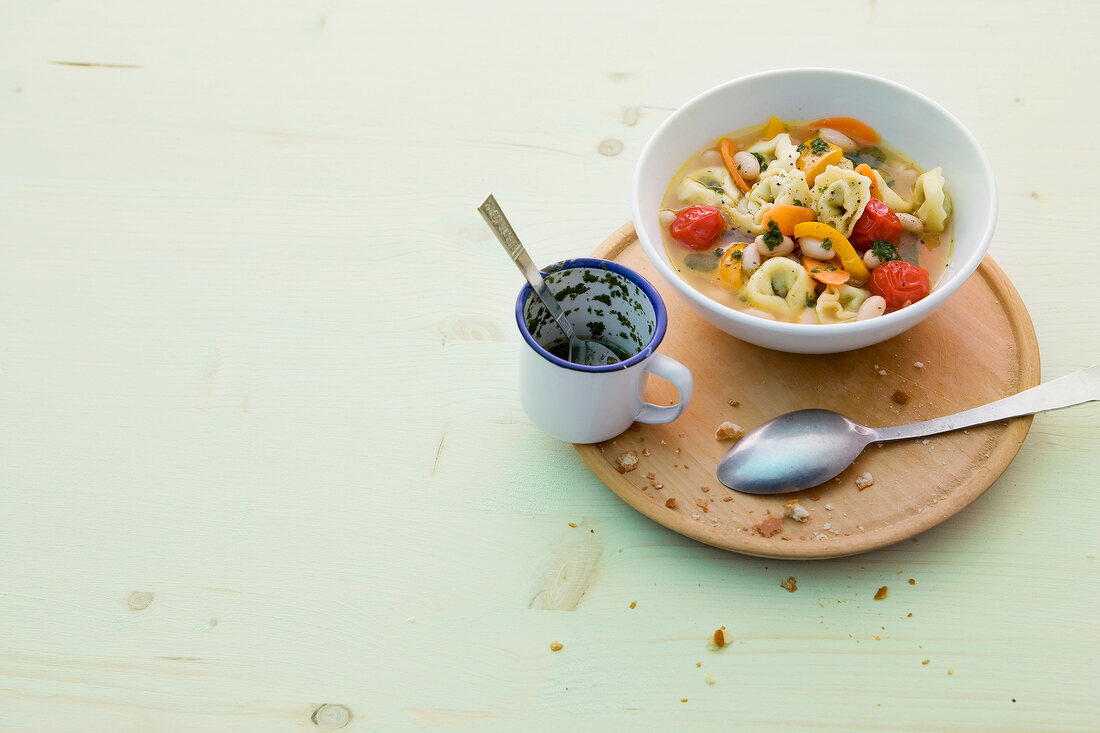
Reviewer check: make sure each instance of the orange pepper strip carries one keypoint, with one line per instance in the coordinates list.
(786, 216)
(861, 133)
(865, 170)
(819, 270)
(729, 268)
(813, 165)
(727, 150)
(773, 128)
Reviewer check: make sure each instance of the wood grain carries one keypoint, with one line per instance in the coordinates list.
(258, 369)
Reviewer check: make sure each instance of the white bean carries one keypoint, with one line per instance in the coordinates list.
(783, 248)
(711, 157)
(750, 259)
(666, 217)
(747, 165)
(871, 260)
(814, 247)
(911, 223)
(871, 308)
(837, 138)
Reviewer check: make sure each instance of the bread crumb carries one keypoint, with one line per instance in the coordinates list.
(633, 604)
(734, 403)
(926, 661)
(671, 502)
(919, 364)
(912, 581)
(683, 699)
(719, 637)
(864, 480)
(627, 462)
(698, 664)
(795, 511)
(729, 431)
(702, 504)
(710, 679)
(658, 486)
(900, 397)
(789, 584)
(705, 489)
(651, 475)
(882, 372)
(881, 593)
(727, 498)
(572, 524)
(555, 646)
(829, 507)
(770, 526)
(646, 452)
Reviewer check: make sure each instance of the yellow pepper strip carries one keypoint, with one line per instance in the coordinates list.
(727, 150)
(812, 163)
(773, 128)
(849, 258)
(830, 273)
(729, 268)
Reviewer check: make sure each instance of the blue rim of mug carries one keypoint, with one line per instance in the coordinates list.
(659, 312)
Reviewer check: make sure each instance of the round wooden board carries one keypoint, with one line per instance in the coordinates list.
(980, 346)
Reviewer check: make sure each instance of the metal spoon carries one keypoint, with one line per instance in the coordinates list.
(581, 351)
(808, 447)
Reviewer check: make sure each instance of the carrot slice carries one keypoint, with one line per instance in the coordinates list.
(773, 128)
(727, 149)
(787, 216)
(830, 273)
(863, 134)
(849, 258)
(865, 170)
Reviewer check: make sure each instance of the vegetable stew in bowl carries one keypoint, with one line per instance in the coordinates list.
(816, 222)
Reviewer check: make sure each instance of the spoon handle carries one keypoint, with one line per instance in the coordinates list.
(1072, 389)
(498, 222)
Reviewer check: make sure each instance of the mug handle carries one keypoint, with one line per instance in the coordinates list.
(680, 376)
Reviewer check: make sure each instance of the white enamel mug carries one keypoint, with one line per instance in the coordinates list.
(589, 404)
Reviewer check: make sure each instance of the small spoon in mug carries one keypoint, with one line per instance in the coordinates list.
(581, 351)
(808, 447)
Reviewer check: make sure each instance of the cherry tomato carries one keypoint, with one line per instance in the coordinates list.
(877, 222)
(899, 283)
(697, 227)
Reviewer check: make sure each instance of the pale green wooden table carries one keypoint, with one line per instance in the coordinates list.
(263, 465)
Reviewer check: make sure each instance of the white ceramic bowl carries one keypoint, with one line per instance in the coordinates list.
(914, 124)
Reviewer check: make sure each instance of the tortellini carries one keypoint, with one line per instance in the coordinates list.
(781, 287)
(709, 186)
(890, 197)
(840, 303)
(781, 151)
(839, 197)
(933, 205)
(776, 186)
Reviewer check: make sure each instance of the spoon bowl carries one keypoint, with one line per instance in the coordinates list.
(792, 452)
